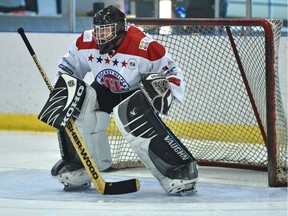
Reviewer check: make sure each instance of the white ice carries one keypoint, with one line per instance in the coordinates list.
(27, 188)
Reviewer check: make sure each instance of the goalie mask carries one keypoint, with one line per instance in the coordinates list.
(109, 25)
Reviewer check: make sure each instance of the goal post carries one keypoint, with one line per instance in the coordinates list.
(232, 115)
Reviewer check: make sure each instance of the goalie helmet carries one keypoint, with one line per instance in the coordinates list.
(109, 25)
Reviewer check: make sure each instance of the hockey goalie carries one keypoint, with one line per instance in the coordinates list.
(135, 78)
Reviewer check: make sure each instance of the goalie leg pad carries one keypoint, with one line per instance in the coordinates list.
(91, 125)
(162, 153)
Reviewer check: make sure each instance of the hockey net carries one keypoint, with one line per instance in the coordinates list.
(233, 114)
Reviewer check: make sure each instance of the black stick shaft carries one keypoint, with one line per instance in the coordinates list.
(35, 58)
(26, 41)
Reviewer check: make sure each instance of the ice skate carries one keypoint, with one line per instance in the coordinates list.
(181, 185)
(70, 187)
(71, 175)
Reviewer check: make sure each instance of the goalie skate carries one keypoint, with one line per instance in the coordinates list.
(182, 185)
(75, 180)
(70, 187)
(177, 186)
(71, 175)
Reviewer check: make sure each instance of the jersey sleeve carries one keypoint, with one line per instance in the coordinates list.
(73, 63)
(170, 69)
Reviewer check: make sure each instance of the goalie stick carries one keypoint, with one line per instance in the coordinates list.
(120, 187)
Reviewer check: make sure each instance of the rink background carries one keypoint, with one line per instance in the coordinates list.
(27, 188)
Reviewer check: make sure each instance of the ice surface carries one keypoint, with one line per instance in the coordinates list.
(27, 188)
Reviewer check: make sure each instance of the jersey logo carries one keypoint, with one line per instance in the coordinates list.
(87, 37)
(132, 64)
(144, 43)
(113, 80)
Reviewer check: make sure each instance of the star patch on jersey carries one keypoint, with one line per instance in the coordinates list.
(90, 58)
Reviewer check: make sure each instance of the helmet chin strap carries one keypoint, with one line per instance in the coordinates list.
(111, 47)
(106, 48)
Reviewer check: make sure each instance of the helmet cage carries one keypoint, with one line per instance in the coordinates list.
(105, 33)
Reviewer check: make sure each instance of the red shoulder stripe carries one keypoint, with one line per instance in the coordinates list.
(132, 46)
(86, 45)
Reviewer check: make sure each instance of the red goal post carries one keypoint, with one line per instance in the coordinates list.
(233, 114)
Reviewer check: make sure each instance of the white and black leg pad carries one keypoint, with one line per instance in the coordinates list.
(90, 123)
(92, 126)
(158, 148)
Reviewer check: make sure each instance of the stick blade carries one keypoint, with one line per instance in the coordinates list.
(122, 187)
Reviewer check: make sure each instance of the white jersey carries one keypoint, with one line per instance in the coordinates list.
(121, 71)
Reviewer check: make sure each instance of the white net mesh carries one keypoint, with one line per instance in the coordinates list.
(223, 120)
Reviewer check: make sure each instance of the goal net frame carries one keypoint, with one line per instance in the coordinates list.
(270, 131)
